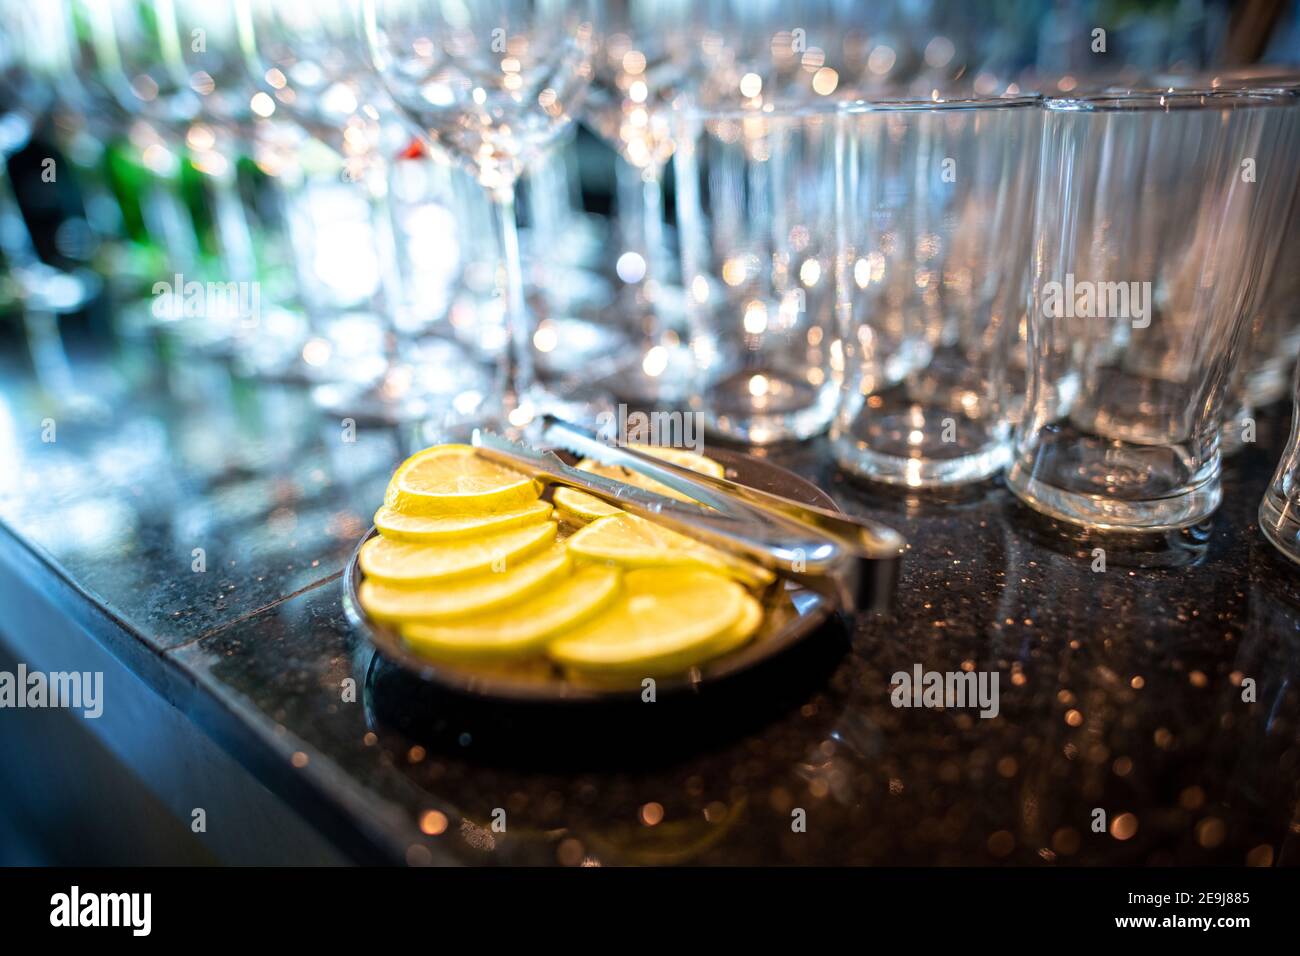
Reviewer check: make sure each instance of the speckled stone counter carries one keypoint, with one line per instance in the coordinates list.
(209, 519)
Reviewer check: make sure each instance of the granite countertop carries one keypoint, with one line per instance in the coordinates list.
(1120, 689)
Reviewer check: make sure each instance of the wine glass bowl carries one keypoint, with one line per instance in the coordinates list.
(641, 63)
(491, 84)
(316, 72)
(138, 49)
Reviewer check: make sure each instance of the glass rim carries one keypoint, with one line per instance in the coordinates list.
(1166, 100)
(774, 110)
(1253, 76)
(833, 107)
(921, 104)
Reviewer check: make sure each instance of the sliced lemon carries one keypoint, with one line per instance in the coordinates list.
(736, 636)
(436, 528)
(523, 627)
(454, 480)
(413, 563)
(685, 458)
(740, 633)
(664, 621)
(466, 597)
(582, 507)
(677, 456)
(634, 542)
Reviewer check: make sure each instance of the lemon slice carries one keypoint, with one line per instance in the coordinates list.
(466, 597)
(523, 627)
(454, 480)
(734, 637)
(415, 563)
(634, 542)
(740, 633)
(582, 507)
(438, 528)
(685, 458)
(664, 621)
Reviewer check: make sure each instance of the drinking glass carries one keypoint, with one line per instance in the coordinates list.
(339, 162)
(1262, 375)
(935, 227)
(566, 255)
(209, 44)
(142, 60)
(643, 60)
(755, 214)
(1279, 512)
(143, 168)
(490, 84)
(202, 43)
(1273, 326)
(39, 292)
(1156, 218)
(795, 53)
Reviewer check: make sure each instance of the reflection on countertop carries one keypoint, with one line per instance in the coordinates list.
(212, 517)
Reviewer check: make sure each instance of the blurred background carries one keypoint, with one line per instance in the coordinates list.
(101, 202)
(584, 191)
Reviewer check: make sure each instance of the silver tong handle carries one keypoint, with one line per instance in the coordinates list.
(832, 564)
(868, 538)
(778, 544)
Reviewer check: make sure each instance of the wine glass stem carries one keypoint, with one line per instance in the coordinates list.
(516, 368)
(652, 200)
(233, 233)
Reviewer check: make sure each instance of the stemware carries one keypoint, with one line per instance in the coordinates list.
(42, 292)
(340, 165)
(646, 55)
(142, 169)
(489, 84)
(203, 48)
(209, 49)
(141, 57)
(801, 54)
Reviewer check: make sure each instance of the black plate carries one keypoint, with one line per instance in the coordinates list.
(792, 613)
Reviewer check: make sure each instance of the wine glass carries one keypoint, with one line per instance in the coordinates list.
(759, 51)
(147, 184)
(645, 54)
(41, 292)
(141, 57)
(135, 53)
(202, 46)
(376, 370)
(489, 84)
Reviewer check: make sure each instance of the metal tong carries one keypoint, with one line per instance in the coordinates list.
(852, 561)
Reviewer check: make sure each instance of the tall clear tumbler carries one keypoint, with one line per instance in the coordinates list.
(1275, 327)
(935, 220)
(1156, 217)
(755, 217)
(1279, 512)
